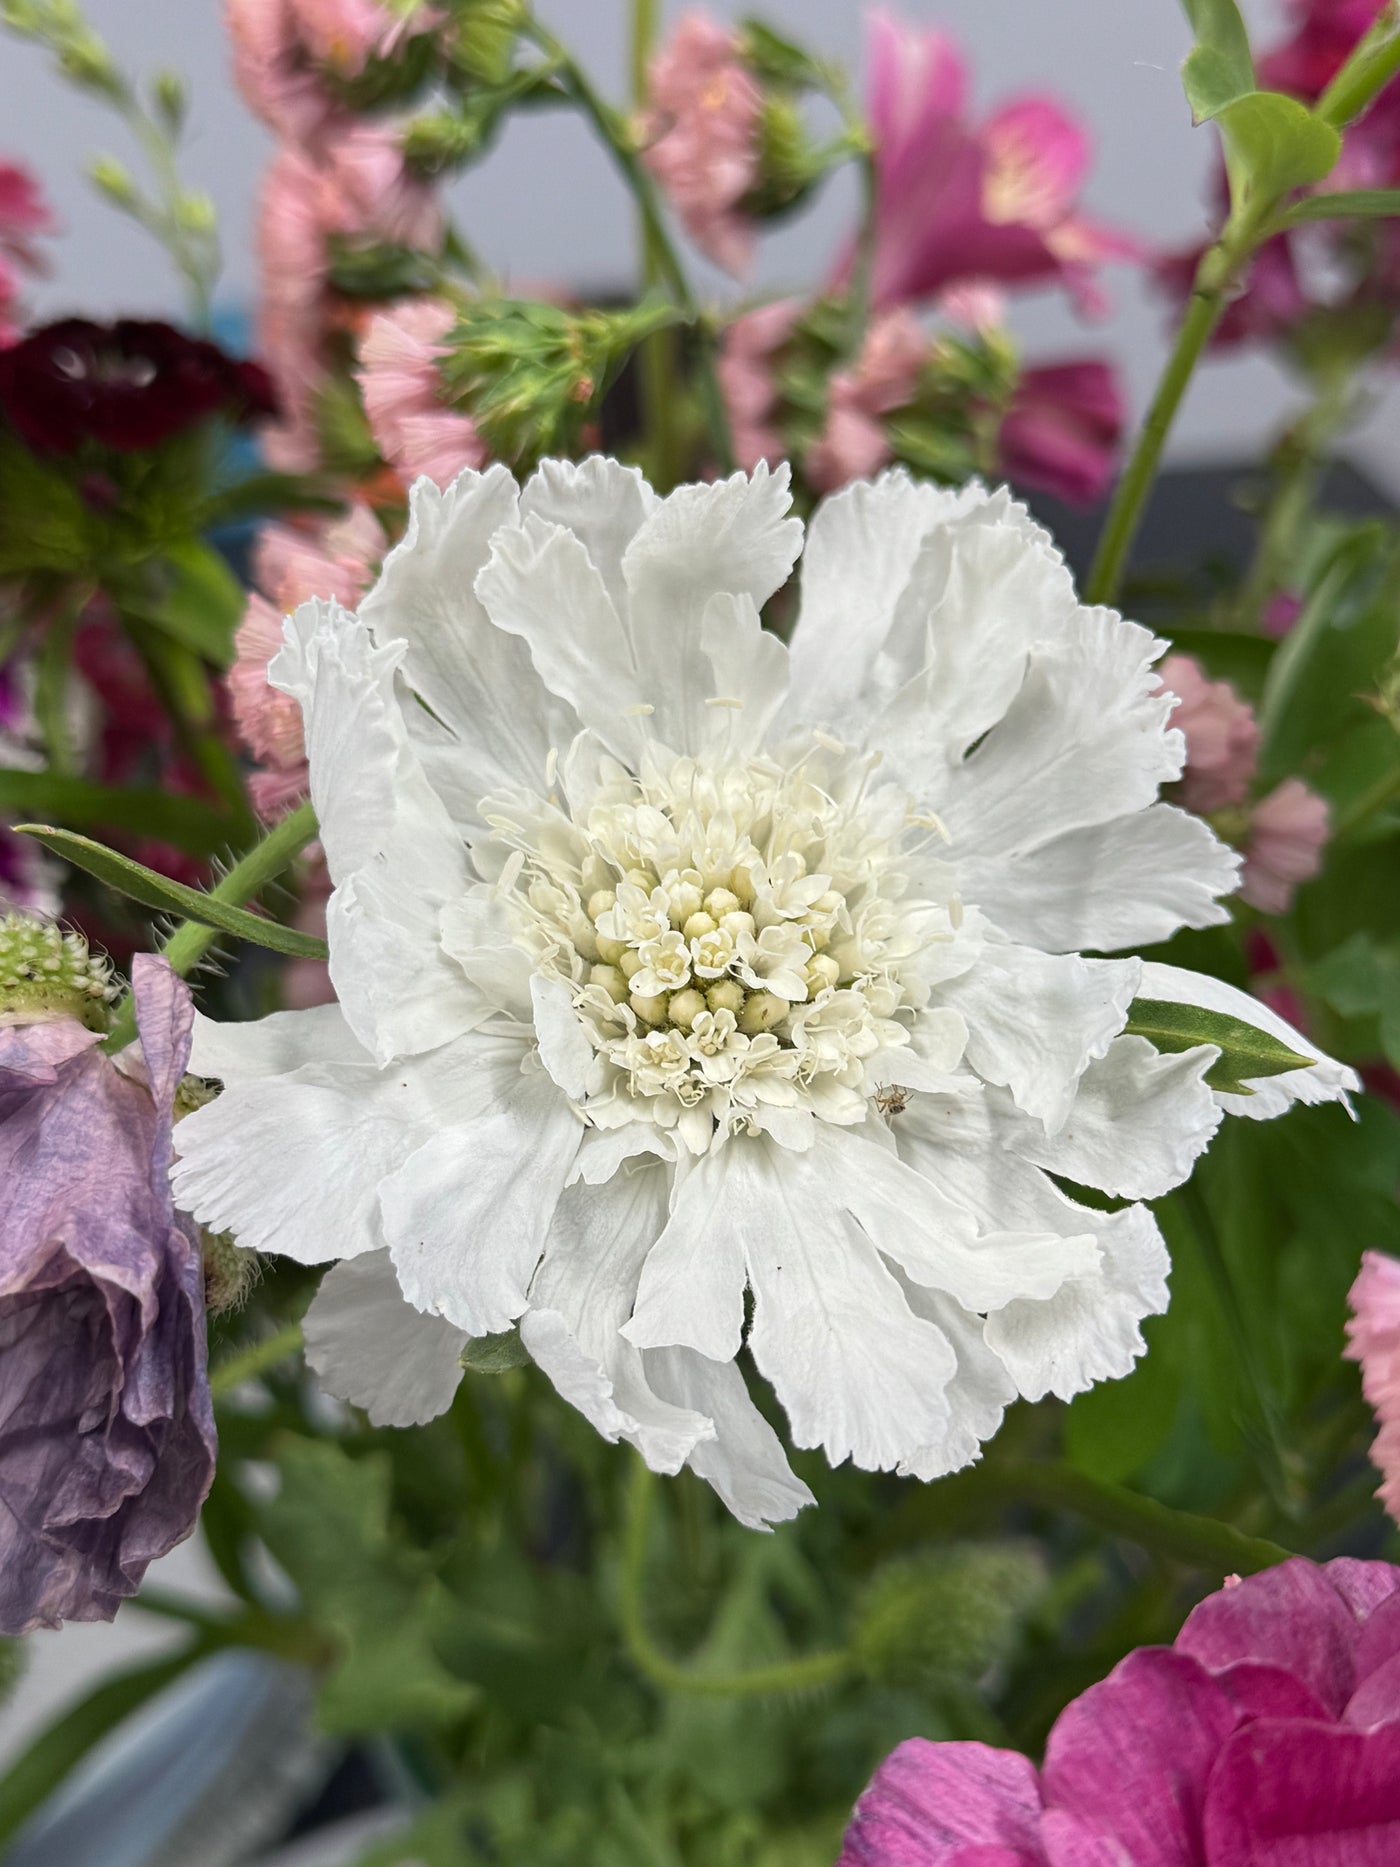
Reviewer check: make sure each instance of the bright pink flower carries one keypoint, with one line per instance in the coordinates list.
(956, 203)
(701, 136)
(1373, 1339)
(1288, 832)
(1280, 613)
(1222, 736)
(412, 425)
(1062, 431)
(1269, 1732)
(853, 444)
(23, 214)
(746, 361)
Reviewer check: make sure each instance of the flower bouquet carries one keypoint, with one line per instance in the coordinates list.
(711, 1124)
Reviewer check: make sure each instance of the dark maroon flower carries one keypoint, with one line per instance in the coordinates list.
(1061, 433)
(126, 385)
(106, 1426)
(1270, 1732)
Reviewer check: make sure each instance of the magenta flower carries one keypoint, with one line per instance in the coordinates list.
(701, 136)
(1268, 1733)
(413, 427)
(957, 203)
(23, 214)
(1373, 1339)
(1062, 430)
(106, 1428)
(1222, 735)
(1288, 831)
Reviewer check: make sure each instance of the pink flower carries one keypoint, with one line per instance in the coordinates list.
(1268, 1732)
(1062, 430)
(413, 427)
(1288, 832)
(853, 444)
(958, 204)
(1280, 613)
(283, 51)
(746, 361)
(1373, 1339)
(1222, 736)
(23, 213)
(701, 136)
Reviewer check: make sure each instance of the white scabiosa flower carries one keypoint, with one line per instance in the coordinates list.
(679, 968)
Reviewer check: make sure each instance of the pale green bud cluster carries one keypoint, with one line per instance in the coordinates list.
(948, 1616)
(46, 973)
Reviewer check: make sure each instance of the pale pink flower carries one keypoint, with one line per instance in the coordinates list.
(413, 427)
(1288, 832)
(1222, 736)
(701, 136)
(283, 50)
(853, 445)
(1373, 1339)
(745, 368)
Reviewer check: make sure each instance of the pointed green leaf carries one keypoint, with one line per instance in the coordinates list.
(158, 891)
(1245, 1053)
(1219, 67)
(1347, 204)
(187, 822)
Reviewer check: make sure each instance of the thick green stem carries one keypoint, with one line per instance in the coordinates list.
(1214, 277)
(1373, 63)
(811, 1670)
(249, 1363)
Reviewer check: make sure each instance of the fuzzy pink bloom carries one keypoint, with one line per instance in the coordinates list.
(291, 566)
(283, 51)
(853, 444)
(1373, 1339)
(746, 360)
(701, 136)
(1062, 431)
(1268, 1733)
(957, 203)
(1288, 831)
(1222, 736)
(413, 427)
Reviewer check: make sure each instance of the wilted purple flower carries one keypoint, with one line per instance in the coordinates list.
(1270, 1732)
(106, 1426)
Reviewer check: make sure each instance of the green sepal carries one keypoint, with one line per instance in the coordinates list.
(1219, 67)
(141, 884)
(1245, 1052)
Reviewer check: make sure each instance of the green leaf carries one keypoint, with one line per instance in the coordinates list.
(187, 822)
(197, 601)
(1361, 979)
(158, 891)
(1274, 144)
(1245, 1053)
(331, 1529)
(495, 1354)
(1347, 204)
(38, 1771)
(1219, 68)
(270, 492)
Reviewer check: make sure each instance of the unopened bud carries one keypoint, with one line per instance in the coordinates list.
(229, 1272)
(113, 179)
(949, 1616)
(494, 1354)
(171, 99)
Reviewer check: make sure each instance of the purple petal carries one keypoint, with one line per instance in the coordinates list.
(1291, 1617)
(947, 1805)
(1363, 1586)
(31, 1054)
(1299, 1794)
(1131, 1755)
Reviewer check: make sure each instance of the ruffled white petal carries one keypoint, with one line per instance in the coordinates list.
(744, 1461)
(1035, 1021)
(603, 503)
(466, 1216)
(1324, 1081)
(272, 1046)
(371, 1347)
(1131, 882)
(978, 1395)
(581, 1296)
(392, 850)
(691, 1292)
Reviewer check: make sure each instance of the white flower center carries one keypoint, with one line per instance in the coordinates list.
(738, 937)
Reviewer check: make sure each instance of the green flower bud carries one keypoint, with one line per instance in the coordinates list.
(113, 179)
(46, 973)
(947, 1616)
(229, 1272)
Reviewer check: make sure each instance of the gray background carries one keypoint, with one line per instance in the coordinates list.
(546, 206)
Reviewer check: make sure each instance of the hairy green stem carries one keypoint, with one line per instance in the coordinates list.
(811, 1670)
(250, 1362)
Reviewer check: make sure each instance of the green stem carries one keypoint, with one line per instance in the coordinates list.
(810, 1671)
(264, 862)
(613, 130)
(182, 685)
(1215, 276)
(1373, 63)
(249, 1363)
(1384, 791)
(1300, 459)
(51, 683)
(657, 356)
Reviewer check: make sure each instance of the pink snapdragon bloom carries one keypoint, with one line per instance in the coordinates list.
(413, 427)
(1222, 735)
(748, 350)
(1269, 1732)
(701, 136)
(957, 203)
(23, 214)
(853, 444)
(1062, 431)
(1288, 831)
(1373, 1339)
